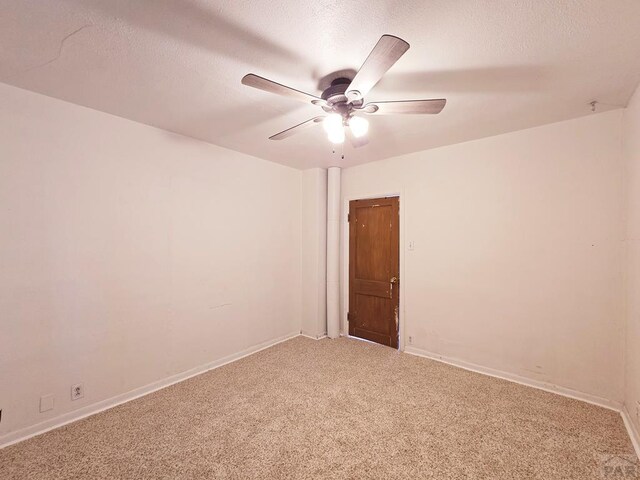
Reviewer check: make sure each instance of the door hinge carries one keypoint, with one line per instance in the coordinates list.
(348, 217)
(350, 316)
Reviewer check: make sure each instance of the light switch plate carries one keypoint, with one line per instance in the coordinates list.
(46, 403)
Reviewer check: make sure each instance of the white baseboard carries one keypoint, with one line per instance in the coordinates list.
(302, 334)
(512, 377)
(87, 411)
(28, 432)
(631, 428)
(547, 387)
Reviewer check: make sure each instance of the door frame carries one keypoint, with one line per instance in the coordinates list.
(344, 259)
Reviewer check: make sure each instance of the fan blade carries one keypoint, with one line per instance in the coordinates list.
(386, 52)
(405, 106)
(267, 85)
(295, 129)
(356, 142)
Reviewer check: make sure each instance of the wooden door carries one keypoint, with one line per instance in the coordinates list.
(374, 269)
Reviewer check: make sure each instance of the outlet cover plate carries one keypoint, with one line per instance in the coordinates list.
(77, 391)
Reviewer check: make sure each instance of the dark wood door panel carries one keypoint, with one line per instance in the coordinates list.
(373, 287)
(373, 313)
(373, 242)
(374, 262)
(372, 337)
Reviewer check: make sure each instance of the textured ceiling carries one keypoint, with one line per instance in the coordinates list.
(177, 65)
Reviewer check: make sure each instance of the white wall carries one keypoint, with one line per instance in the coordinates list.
(129, 254)
(518, 259)
(631, 152)
(314, 252)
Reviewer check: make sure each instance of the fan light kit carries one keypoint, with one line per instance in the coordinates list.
(343, 102)
(334, 126)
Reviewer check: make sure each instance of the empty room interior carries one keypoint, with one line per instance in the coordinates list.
(319, 240)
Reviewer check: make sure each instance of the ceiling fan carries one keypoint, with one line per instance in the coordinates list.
(343, 101)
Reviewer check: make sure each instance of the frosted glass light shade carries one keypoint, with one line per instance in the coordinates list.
(332, 123)
(359, 126)
(337, 136)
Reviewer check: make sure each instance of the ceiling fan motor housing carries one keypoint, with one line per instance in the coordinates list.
(336, 98)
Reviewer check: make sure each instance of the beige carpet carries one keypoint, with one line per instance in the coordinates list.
(335, 409)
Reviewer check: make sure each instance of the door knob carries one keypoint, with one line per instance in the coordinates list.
(394, 280)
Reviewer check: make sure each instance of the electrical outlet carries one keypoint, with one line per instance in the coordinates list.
(46, 403)
(412, 245)
(410, 340)
(77, 391)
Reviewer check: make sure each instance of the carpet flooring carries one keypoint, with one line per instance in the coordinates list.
(330, 409)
